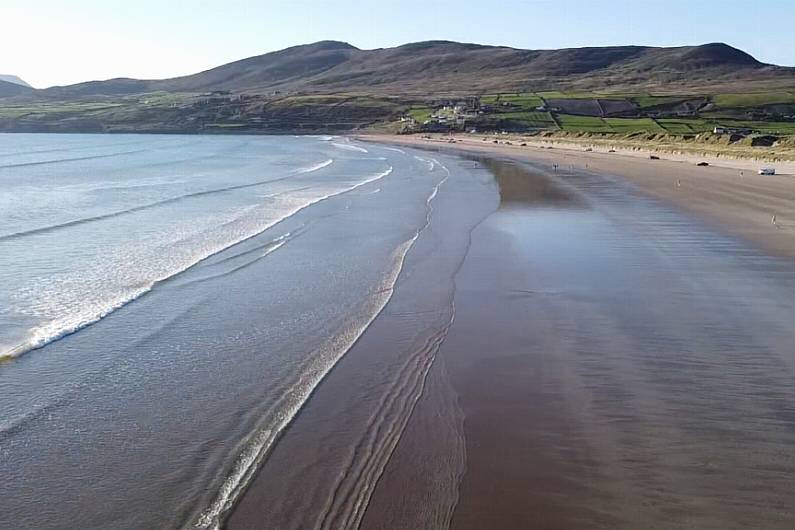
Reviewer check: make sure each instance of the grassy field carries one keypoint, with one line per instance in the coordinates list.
(607, 125)
(527, 102)
(531, 100)
(532, 119)
(753, 100)
(771, 127)
(726, 110)
(524, 101)
(628, 125)
(15, 111)
(648, 102)
(420, 114)
(578, 95)
(626, 114)
(583, 124)
(685, 125)
(678, 126)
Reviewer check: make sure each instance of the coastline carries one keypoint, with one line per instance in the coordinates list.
(562, 394)
(335, 451)
(571, 365)
(728, 195)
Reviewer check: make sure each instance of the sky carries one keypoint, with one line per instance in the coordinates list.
(58, 42)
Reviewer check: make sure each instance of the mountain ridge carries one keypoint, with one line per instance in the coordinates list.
(11, 85)
(332, 86)
(414, 68)
(15, 79)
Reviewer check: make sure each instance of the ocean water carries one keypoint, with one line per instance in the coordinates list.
(108, 219)
(168, 304)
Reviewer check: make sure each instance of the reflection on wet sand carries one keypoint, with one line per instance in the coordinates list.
(610, 364)
(619, 365)
(522, 188)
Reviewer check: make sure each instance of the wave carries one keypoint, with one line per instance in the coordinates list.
(348, 503)
(316, 167)
(350, 147)
(262, 441)
(156, 204)
(401, 151)
(76, 159)
(58, 329)
(266, 250)
(430, 161)
(52, 331)
(73, 148)
(264, 246)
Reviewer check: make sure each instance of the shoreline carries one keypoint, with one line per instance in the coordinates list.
(730, 197)
(561, 396)
(572, 369)
(344, 435)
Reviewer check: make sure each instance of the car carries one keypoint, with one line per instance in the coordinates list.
(654, 157)
(612, 151)
(588, 149)
(703, 164)
(767, 171)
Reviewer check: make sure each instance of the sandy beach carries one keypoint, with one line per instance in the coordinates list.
(617, 356)
(384, 266)
(728, 193)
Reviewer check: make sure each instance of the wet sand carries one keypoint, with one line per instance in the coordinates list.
(728, 194)
(616, 377)
(609, 362)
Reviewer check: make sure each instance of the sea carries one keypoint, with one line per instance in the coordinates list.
(169, 303)
(319, 332)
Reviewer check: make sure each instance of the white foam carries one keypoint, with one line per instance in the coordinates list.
(431, 162)
(316, 167)
(67, 308)
(261, 442)
(401, 151)
(258, 447)
(350, 147)
(56, 329)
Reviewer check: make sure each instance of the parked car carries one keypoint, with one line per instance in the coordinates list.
(654, 157)
(703, 164)
(767, 171)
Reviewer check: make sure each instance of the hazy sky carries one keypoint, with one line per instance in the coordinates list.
(50, 42)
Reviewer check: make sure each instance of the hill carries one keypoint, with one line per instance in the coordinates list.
(334, 86)
(443, 66)
(13, 79)
(13, 88)
(451, 67)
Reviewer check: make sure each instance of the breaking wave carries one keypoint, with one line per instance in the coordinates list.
(91, 313)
